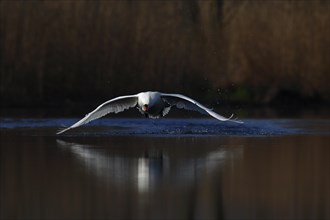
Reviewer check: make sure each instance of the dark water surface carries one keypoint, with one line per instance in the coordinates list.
(165, 169)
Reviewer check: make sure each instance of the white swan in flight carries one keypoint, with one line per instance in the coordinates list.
(151, 104)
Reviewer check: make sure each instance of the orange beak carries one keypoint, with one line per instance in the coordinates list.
(145, 108)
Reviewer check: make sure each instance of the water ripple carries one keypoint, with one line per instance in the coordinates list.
(173, 127)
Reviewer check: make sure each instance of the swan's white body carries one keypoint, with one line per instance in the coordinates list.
(151, 104)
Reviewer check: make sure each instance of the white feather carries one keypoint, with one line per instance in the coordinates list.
(115, 105)
(159, 103)
(187, 103)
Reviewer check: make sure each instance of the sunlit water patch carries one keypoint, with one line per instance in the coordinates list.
(169, 127)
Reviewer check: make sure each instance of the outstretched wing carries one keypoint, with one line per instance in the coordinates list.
(115, 105)
(181, 101)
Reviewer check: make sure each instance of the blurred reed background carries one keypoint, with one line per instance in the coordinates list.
(55, 53)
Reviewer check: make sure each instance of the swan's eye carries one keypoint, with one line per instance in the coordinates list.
(145, 108)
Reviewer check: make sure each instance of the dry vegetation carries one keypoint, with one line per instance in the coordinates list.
(78, 50)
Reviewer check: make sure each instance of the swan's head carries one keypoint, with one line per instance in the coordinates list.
(148, 99)
(145, 101)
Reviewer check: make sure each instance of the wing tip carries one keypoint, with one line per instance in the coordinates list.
(235, 119)
(238, 121)
(62, 130)
(59, 132)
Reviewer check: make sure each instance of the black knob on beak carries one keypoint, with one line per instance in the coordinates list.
(145, 108)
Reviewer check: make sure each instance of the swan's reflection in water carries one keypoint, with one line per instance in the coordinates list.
(149, 168)
(143, 175)
(131, 177)
(183, 176)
